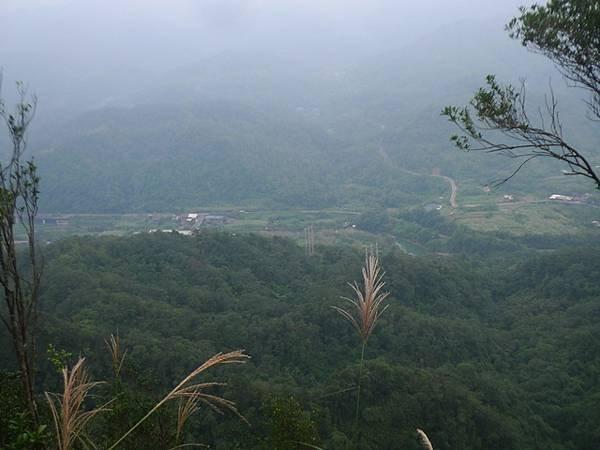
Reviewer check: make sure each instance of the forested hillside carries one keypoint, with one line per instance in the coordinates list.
(482, 355)
(245, 129)
(165, 157)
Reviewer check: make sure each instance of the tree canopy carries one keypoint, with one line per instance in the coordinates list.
(480, 354)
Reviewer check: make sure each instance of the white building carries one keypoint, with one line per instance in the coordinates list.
(562, 198)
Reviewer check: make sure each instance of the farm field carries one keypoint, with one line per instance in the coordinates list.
(486, 213)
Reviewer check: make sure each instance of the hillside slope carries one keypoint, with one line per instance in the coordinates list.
(483, 356)
(250, 129)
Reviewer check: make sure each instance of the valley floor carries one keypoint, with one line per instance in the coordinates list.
(484, 212)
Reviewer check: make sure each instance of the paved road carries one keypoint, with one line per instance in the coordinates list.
(453, 186)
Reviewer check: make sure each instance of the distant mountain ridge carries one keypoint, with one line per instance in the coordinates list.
(244, 129)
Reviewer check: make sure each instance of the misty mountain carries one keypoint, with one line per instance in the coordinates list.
(83, 54)
(269, 130)
(148, 157)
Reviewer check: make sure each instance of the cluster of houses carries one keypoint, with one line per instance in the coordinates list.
(183, 232)
(557, 197)
(190, 223)
(575, 198)
(196, 220)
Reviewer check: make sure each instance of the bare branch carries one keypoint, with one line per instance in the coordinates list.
(504, 109)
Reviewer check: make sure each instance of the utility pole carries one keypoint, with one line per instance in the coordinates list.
(309, 240)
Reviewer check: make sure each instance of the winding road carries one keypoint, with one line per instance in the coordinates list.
(453, 186)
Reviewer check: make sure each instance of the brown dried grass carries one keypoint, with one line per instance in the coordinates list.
(185, 410)
(424, 440)
(70, 419)
(366, 309)
(116, 353)
(363, 313)
(187, 389)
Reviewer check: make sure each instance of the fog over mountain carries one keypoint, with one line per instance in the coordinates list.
(88, 53)
(248, 95)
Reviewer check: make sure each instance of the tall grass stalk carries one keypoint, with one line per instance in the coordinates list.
(187, 389)
(70, 419)
(116, 353)
(360, 375)
(364, 311)
(424, 440)
(185, 410)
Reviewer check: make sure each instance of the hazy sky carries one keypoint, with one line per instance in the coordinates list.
(94, 46)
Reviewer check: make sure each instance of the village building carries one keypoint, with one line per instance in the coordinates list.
(562, 198)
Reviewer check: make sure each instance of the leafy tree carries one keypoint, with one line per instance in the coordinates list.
(18, 208)
(290, 427)
(568, 33)
(375, 220)
(16, 429)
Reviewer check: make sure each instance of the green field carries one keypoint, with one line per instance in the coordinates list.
(528, 215)
(480, 211)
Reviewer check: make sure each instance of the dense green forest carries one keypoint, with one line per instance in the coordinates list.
(481, 354)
